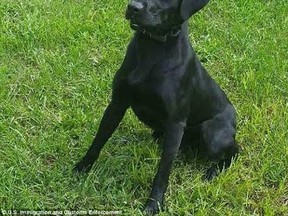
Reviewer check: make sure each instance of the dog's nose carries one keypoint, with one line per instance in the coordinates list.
(136, 7)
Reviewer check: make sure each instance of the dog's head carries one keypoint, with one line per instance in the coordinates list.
(160, 16)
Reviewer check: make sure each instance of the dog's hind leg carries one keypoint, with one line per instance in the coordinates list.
(219, 142)
(157, 134)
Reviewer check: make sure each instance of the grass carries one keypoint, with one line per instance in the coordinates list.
(57, 61)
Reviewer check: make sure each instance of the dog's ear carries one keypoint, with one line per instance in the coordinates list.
(189, 7)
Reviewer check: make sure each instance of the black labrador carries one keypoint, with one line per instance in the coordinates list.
(169, 90)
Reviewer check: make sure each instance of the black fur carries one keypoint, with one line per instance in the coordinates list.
(169, 90)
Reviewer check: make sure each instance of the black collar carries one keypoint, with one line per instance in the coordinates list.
(162, 38)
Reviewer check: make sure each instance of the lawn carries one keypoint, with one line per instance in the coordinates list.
(57, 61)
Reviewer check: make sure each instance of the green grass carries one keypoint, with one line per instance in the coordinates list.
(57, 61)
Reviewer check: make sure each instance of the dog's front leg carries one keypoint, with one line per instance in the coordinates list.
(111, 119)
(173, 136)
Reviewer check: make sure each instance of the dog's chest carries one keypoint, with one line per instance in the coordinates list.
(148, 103)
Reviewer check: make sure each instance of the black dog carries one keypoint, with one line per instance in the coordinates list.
(169, 90)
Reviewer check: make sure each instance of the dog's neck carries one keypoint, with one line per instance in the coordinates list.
(151, 51)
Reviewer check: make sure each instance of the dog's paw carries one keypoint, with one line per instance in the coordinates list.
(82, 167)
(210, 174)
(152, 207)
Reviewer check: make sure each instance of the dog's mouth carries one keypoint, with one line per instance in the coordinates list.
(134, 26)
(146, 30)
(143, 29)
